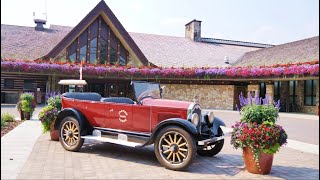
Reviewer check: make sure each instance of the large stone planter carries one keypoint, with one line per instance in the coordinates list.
(262, 167)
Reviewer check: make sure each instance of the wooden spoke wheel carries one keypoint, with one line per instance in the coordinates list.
(175, 148)
(69, 134)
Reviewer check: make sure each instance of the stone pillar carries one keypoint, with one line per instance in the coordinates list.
(300, 93)
(270, 92)
(254, 90)
(284, 95)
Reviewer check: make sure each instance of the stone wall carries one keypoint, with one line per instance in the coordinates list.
(254, 90)
(210, 96)
(270, 92)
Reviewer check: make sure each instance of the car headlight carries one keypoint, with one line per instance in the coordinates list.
(210, 117)
(195, 119)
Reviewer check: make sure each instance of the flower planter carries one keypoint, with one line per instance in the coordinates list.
(54, 135)
(262, 167)
(27, 115)
(21, 115)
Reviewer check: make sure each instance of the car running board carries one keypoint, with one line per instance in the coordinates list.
(122, 139)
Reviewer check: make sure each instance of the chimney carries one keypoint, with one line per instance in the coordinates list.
(193, 30)
(40, 22)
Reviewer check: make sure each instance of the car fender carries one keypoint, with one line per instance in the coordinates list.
(217, 122)
(183, 123)
(75, 113)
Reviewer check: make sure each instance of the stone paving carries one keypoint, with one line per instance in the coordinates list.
(28, 154)
(48, 160)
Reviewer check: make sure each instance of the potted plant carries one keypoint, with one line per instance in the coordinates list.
(258, 134)
(18, 106)
(47, 116)
(26, 105)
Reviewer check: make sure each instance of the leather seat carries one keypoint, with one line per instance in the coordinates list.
(83, 96)
(122, 100)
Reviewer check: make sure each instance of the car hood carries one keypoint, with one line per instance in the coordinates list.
(166, 103)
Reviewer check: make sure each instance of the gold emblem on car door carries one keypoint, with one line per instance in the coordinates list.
(123, 115)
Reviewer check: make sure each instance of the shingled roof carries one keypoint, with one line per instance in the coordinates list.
(293, 52)
(170, 51)
(21, 42)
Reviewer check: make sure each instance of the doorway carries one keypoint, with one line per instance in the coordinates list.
(237, 91)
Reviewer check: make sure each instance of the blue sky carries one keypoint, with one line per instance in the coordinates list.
(268, 21)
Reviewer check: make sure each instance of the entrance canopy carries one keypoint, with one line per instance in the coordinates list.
(72, 82)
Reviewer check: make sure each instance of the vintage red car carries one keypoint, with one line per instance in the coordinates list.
(179, 130)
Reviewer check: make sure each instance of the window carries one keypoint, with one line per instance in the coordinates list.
(83, 53)
(72, 51)
(123, 55)
(8, 83)
(86, 47)
(277, 88)
(292, 91)
(28, 84)
(83, 45)
(103, 51)
(113, 56)
(113, 48)
(93, 50)
(310, 92)
(263, 90)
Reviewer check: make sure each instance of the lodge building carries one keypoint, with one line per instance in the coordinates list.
(100, 39)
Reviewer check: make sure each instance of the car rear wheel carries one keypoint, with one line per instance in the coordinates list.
(215, 149)
(175, 148)
(69, 134)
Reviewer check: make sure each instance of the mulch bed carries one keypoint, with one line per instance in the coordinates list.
(9, 126)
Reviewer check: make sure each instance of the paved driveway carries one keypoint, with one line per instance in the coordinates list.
(49, 160)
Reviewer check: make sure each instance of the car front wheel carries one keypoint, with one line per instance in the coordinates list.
(175, 148)
(69, 134)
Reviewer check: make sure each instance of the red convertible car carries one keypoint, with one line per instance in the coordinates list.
(179, 130)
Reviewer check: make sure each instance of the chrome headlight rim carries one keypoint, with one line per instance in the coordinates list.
(195, 119)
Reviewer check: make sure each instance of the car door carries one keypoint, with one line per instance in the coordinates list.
(141, 118)
(120, 116)
(95, 112)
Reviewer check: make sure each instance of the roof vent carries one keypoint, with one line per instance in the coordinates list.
(40, 21)
(226, 60)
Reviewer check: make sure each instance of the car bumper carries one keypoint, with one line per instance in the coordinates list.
(211, 140)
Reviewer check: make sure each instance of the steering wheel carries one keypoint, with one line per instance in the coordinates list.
(145, 94)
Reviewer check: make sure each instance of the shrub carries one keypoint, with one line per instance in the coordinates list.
(55, 101)
(259, 113)
(19, 105)
(29, 96)
(2, 123)
(47, 116)
(27, 106)
(7, 117)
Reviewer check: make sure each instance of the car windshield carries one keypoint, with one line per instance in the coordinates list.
(145, 89)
